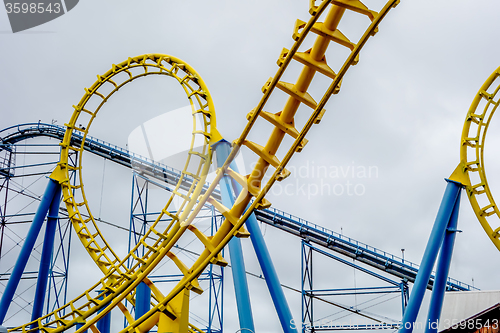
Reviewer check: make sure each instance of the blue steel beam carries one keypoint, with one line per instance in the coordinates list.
(443, 268)
(235, 252)
(301, 228)
(264, 258)
(80, 325)
(270, 275)
(142, 300)
(436, 238)
(14, 134)
(45, 261)
(104, 324)
(349, 247)
(22, 260)
(353, 265)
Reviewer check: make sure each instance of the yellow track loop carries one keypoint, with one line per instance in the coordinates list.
(283, 122)
(472, 166)
(119, 281)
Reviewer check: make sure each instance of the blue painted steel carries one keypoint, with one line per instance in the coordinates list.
(371, 256)
(272, 280)
(29, 242)
(142, 300)
(309, 293)
(306, 268)
(443, 269)
(431, 252)
(222, 149)
(216, 291)
(404, 296)
(139, 216)
(241, 285)
(47, 251)
(265, 261)
(351, 264)
(80, 325)
(104, 324)
(348, 246)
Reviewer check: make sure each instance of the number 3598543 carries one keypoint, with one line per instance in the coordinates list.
(32, 8)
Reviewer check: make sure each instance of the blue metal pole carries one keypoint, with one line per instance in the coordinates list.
(242, 294)
(265, 261)
(403, 296)
(272, 280)
(241, 285)
(28, 245)
(211, 277)
(80, 325)
(443, 269)
(104, 324)
(431, 252)
(47, 250)
(142, 300)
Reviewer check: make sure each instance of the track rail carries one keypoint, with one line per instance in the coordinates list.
(146, 166)
(284, 124)
(119, 282)
(349, 247)
(297, 226)
(471, 170)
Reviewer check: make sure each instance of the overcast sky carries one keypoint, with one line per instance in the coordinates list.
(400, 111)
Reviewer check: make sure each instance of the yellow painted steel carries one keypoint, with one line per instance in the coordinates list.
(170, 312)
(471, 170)
(234, 215)
(119, 282)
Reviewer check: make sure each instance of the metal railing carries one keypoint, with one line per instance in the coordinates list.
(158, 170)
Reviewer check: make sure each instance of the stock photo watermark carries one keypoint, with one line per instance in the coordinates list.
(26, 14)
(312, 179)
(325, 323)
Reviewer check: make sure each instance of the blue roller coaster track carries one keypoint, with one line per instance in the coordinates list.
(294, 225)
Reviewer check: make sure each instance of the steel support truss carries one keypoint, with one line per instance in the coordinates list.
(310, 296)
(39, 287)
(141, 215)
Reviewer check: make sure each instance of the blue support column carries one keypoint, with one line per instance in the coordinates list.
(142, 300)
(431, 252)
(263, 256)
(28, 245)
(45, 261)
(216, 289)
(241, 285)
(404, 295)
(222, 149)
(104, 324)
(443, 269)
(272, 280)
(80, 325)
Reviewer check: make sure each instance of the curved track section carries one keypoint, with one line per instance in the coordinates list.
(283, 122)
(148, 167)
(119, 283)
(196, 167)
(472, 164)
(279, 219)
(118, 277)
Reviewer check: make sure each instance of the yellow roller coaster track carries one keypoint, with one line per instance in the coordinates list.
(471, 171)
(170, 312)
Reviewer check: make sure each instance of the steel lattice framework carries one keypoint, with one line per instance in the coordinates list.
(169, 311)
(124, 276)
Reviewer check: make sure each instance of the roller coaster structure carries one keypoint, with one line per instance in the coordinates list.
(120, 282)
(314, 236)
